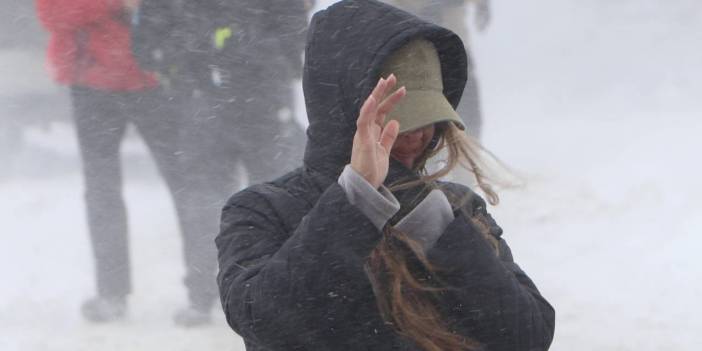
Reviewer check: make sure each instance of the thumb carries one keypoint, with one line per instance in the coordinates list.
(389, 135)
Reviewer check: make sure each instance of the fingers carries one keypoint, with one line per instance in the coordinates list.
(379, 90)
(370, 110)
(389, 104)
(390, 132)
(367, 115)
(383, 87)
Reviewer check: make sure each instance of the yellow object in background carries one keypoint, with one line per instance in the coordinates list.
(221, 36)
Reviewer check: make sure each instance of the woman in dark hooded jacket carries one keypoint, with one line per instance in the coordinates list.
(361, 248)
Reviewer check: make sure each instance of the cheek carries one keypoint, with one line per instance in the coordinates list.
(425, 141)
(400, 146)
(413, 144)
(406, 145)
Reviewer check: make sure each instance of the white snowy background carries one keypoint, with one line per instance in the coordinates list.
(595, 103)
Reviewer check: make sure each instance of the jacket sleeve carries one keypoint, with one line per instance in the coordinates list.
(283, 289)
(66, 15)
(489, 295)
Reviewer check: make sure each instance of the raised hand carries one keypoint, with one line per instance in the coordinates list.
(370, 156)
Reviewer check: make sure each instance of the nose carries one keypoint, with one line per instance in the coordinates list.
(412, 135)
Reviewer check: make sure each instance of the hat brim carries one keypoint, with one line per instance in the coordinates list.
(420, 108)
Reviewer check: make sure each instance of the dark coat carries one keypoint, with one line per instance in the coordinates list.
(291, 252)
(174, 38)
(266, 30)
(177, 39)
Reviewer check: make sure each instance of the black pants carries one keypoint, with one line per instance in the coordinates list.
(209, 178)
(101, 119)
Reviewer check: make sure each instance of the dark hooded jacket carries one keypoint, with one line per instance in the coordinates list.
(291, 252)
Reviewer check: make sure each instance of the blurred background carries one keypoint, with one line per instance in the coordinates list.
(595, 104)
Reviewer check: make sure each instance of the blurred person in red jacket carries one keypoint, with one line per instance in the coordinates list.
(90, 51)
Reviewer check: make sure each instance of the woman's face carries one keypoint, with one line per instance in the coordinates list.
(410, 145)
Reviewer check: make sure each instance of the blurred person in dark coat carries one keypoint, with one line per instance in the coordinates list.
(172, 38)
(454, 15)
(258, 48)
(196, 47)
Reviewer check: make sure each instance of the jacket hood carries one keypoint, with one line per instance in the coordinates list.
(346, 45)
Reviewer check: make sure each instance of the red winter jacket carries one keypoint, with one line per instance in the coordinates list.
(91, 45)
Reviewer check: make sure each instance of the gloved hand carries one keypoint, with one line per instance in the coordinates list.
(482, 14)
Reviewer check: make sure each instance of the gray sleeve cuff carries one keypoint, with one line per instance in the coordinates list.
(428, 220)
(378, 205)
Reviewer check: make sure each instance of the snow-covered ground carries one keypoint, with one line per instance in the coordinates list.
(593, 103)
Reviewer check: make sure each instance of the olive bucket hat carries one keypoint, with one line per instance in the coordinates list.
(417, 67)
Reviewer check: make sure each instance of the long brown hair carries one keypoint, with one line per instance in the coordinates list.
(403, 280)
